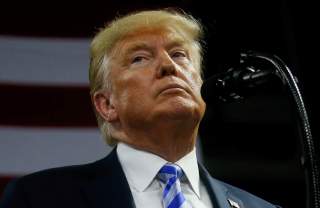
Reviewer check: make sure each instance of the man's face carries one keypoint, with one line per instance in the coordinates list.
(154, 79)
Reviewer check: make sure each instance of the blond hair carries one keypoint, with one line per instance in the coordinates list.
(103, 43)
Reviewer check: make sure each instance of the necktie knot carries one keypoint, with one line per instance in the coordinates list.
(169, 172)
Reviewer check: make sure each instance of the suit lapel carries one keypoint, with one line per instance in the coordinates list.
(219, 195)
(107, 185)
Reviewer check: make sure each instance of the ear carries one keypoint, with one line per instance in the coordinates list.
(104, 106)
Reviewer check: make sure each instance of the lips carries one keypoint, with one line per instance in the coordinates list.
(172, 86)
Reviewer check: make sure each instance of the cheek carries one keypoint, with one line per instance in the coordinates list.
(195, 80)
(192, 76)
(129, 88)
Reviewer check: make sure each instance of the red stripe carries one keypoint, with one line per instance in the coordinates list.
(28, 105)
(4, 180)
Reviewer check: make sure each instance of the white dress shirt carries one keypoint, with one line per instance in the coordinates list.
(141, 169)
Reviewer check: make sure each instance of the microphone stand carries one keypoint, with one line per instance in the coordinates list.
(309, 160)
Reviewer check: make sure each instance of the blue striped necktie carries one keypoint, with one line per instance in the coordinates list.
(172, 196)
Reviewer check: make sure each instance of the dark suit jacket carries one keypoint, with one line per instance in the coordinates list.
(102, 184)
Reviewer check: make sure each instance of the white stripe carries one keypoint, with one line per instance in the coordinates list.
(44, 60)
(173, 191)
(25, 150)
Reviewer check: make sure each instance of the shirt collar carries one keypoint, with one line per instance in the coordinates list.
(141, 167)
(189, 165)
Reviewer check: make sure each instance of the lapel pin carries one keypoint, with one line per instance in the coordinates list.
(233, 204)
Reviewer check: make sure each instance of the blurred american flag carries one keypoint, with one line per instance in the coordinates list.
(46, 119)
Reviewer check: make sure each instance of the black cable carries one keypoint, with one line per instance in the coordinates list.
(307, 139)
(233, 85)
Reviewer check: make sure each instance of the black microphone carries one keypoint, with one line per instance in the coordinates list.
(237, 82)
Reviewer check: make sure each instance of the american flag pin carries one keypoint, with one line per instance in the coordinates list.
(233, 204)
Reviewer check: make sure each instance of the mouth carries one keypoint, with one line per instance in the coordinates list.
(173, 89)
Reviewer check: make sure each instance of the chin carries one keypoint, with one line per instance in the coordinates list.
(178, 109)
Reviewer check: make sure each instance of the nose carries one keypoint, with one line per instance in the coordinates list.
(166, 66)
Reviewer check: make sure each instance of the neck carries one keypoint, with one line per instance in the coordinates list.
(169, 141)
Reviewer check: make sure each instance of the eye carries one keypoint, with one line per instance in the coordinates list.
(137, 59)
(179, 54)
(140, 57)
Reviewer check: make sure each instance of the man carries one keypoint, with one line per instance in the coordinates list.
(145, 79)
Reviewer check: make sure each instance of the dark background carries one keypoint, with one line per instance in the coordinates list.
(253, 143)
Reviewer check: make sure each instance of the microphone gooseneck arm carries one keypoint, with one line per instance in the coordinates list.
(310, 161)
(233, 85)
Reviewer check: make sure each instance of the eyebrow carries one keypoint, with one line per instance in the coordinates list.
(137, 46)
(176, 42)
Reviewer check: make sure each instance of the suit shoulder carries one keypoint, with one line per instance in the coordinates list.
(248, 199)
(70, 173)
(68, 176)
(41, 184)
(56, 185)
